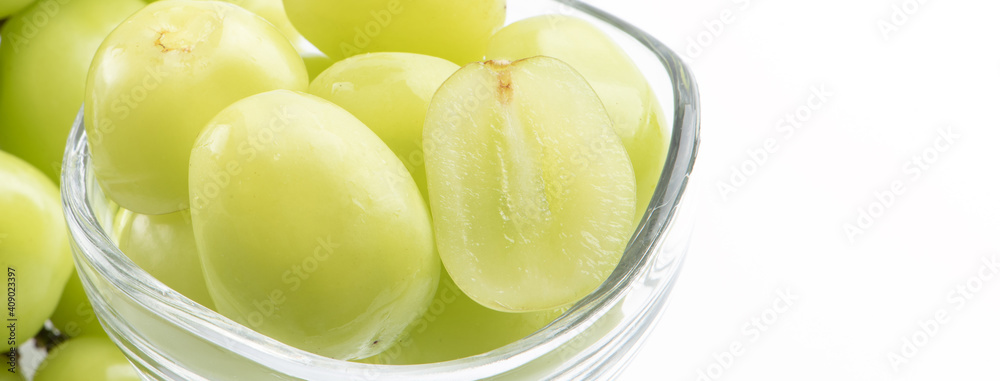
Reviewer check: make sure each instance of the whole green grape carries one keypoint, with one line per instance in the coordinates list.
(456, 30)
(455, 327)
(159, 77)
(274, 12)
(625, 92)
(164, 246)
(10, 7)
(310, 229)
(363, 85)
(34, 249)
(45, 53)
(531, 191)
(86, 359)
(74, 315)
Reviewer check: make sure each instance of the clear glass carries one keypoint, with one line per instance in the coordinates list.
(169, 337)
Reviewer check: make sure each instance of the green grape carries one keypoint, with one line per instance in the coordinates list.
(6, 375)
(365, 84)
(45, 53)
(455, 327)
(531, 191)
(10, 7)
(34, 249)
(159, 77)
(164, 246)
(86, 359)
(274, 12)
(310, 229)
(456, 30)
(631, 103)
(74, 315)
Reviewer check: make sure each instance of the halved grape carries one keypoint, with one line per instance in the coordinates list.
(456, 30)
(625, 92)
(365, 84)
(164, 246)
(455, 327)
(159, 77)
(310, 229)
(532, 193)
(86, 359)
(45, 54)
(34, 251)
(74, 315)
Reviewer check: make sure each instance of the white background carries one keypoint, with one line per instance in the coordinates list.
(897, 84)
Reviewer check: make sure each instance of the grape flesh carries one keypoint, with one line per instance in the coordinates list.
(86, 359)
(310, 229)
(531, 191)
(159, 77)
(625, 92)
(43, 73)
(456, 30)
(34, 249)
(456, 327)
(363, 85)
(164, 246)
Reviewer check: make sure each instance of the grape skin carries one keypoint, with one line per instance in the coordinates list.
(10, 7)
(8, 376)
(86, 359)
(456, 327)
(326, 244)
(364, 84)
(164, 246)
(33, 243)
(274, 12)
(44, 61)
(159, 77)
(459, 31)
(74, 315)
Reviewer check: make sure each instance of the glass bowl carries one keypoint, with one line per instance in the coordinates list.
(169, 337)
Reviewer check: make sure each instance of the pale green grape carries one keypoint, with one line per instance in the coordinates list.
(164, 246)
(364, 85)
(274, 12)
(625, 92)
(310, 229)
(86, 359)
(74, 315)
(34, 251)
(45, 52)
(455, 327)
(10, 7)
(456, 30)
(159, 77)
(532, 193)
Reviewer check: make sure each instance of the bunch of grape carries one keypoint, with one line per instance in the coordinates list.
(404, 182)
